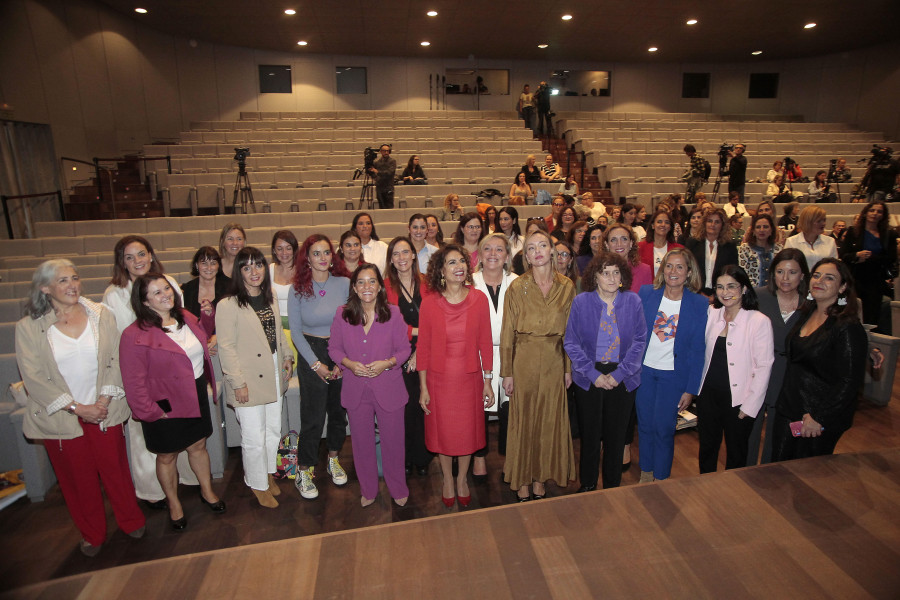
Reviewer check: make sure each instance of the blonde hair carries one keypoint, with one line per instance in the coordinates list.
(693, 279)
(550, 241)
(808, 217)
(448, 199)
(495, 236)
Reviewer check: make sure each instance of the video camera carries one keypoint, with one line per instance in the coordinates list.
(880, 154)
(241, 154)
(724, 150)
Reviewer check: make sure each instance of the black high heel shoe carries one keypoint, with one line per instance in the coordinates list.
(217, 507)
(178, 524)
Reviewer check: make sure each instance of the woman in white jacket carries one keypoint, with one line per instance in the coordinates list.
(493, 278)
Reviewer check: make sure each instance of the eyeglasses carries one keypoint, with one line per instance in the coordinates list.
(473, 227)
(558, 205)
(563, 254)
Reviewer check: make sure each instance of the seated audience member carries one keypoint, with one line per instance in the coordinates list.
(810, 238)
(792, 170)
(521, 187)
(551, 172)
(817, 187)
(374, 250)
(734, 206)
(569, 187)
(597, 208)
(788, 220)
(775, 171)
(758, 249)
(841, 173)
(533, 174)
(413, 173)
(452, 210)
(736, 223)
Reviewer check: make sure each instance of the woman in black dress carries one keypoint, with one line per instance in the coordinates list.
(203, 292)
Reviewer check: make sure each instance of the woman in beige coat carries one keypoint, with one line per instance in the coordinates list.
(257, 365)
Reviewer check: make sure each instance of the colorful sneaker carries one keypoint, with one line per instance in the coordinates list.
(338, 475)
(305, 485)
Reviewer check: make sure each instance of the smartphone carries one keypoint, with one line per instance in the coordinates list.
(796, 427)
(165, 405)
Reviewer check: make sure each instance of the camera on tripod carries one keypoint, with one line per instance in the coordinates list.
(880, 154)
(241, 154)
(369, 156)
(724, 150)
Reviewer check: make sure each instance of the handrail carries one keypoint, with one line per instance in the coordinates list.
(4, 200)
(78, 160)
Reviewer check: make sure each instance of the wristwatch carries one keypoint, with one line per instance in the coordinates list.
(488, 375)
(71, 408)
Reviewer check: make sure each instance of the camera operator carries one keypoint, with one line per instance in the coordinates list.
(542, 100)
(695, 174)
(383, 170)
(841, 172)
(883, 174)
(737, 171)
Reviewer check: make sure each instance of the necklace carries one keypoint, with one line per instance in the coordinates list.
(322, 290)
(788, 307)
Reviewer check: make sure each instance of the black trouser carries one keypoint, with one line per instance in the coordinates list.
(602, 417)
(417, 454)
(385, 196)
(318, 398)
(787, 447)
(716, 416)
(545, 115)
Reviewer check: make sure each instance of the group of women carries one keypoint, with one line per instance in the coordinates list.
(421, 340)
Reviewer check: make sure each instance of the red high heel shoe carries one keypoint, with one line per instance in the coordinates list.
(464, 501)
(449, 502)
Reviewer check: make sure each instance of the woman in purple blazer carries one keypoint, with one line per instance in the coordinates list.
(369, 340)
(165, 368)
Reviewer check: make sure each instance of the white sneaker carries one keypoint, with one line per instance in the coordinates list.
(338, 475)
(305, 485)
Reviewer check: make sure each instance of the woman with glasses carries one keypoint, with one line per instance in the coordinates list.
(468, 234)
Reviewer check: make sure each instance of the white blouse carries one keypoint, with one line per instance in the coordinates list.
(77, 362)
(188, 342)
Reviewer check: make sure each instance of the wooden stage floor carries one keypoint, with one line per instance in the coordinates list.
(817, 528)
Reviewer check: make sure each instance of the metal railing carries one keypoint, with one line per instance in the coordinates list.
(98, 169)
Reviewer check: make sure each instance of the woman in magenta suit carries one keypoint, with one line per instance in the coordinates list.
(455, 356)
(368, 339)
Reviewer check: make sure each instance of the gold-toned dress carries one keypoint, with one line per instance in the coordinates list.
(539, 445)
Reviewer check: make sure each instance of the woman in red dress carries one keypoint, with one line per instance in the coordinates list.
(455, 364)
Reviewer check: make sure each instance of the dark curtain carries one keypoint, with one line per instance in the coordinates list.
(28, 166)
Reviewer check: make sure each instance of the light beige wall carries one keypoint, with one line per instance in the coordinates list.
(107, 85)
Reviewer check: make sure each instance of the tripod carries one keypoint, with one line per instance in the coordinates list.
(243, 193)
(367, 194)
(717, 185)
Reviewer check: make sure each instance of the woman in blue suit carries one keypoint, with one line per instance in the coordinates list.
(673, 359)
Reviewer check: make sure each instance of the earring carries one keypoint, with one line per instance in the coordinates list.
(842, 301)
(443, 283)
(809, 296)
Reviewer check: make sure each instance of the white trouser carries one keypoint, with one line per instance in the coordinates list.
(143, 466)
(260, 435)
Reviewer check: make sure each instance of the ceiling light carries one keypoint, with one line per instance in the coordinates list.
(567, 17)
(542, 46)
(424, 43)
(142, 11)
(290, 11)
(692, 21)
(302, 43)
(431, 13)
(652, 49)
(756, 52)
(809, 26)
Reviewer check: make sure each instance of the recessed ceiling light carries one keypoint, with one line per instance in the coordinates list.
(542, 46)
(809, 26)
(142, 11)
(692, 21)
(431, 13)
(567, 17)
(302, 43)
(424, 43)
(756, 52)
(652, 49)
(290, 11)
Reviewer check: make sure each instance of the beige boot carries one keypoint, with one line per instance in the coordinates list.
(646, 477)
(273, 486)
(265, 498)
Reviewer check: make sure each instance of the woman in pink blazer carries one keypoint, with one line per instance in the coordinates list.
(369, 340)
(740, 351)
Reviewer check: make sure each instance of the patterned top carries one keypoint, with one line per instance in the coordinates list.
(757, 261)
(608, 338)
(263, 310)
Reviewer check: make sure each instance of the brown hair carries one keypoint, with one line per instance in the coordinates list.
(599, 263)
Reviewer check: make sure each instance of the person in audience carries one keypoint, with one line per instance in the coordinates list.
(881, 177)
(736, 226)
(536, 373)
(620, 239)
(659, 241)
(508, 221)
(591, 245)
(736, 369)
(700, 199)
(569, 187)
(489, 222)
(418, 231)
(675, 318)
(817, 186)
(576, 234)
(374, 250)
(642, 219)
(231, 240)
(605, 340)
(810, 237)
(533, 174)
(766, 207)
(67, 351)
(758, 249)
(564, 224)
(551, 172)
(493, 279)
(455, 364)
(776, 171)
(203, 292)
(413, 173)
(281, 278)
(565, 262)
(452, 210)
(734, 205)
(792, 170)
(737, 171)
(603, 222)
(404, 287)
(542, 103)
(526, 106)
(694, 225)
(350, 250)
(521, 187)
(838, 230)
(165, 346)
(434, 234)
(533, 224)
(779, 300)
(468, 234)
(788, 220)
(321, 285)
(628, 216)
(257, 365)
(826, 359)
(368, 338)
(694, 176)
(870, 250)
(597, 208)
(556, 207)
(841, 173)
(383, 170)
(615, 213)
(134, 256)
(713, 250)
